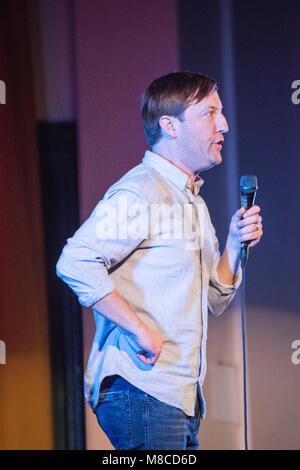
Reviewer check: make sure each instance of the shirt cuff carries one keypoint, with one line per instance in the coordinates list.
(87, 300)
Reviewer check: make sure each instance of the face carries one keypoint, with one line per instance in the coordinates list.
(200, 135)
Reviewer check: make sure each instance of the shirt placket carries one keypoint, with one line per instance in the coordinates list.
(202, 367)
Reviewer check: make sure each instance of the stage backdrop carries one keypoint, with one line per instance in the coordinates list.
(252, 49)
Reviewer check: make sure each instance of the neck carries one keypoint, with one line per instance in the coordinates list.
(171, 155)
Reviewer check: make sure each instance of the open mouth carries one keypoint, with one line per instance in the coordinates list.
(219, 143)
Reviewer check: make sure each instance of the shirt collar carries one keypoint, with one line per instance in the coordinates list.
(173, 173)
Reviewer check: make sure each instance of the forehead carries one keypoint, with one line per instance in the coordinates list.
(212, 100)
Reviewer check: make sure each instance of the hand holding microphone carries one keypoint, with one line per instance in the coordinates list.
(246, 224)
(251, 225)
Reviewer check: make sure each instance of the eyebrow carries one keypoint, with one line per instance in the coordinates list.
(215, 108)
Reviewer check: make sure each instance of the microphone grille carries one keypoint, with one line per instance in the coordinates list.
(248, 184)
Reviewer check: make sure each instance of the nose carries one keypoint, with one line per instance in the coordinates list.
(222, 125)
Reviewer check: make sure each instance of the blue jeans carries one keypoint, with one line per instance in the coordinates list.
(132, 419)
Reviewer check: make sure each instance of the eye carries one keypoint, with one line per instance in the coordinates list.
(211, 113)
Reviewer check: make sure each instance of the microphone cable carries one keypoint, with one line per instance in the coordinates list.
(248, 189)
(243, 295)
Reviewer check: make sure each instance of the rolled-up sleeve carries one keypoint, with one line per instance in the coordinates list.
(115, 228)
(220, 295)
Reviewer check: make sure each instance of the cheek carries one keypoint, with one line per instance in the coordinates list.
(204, 139)
(206, 132)
(198, 136)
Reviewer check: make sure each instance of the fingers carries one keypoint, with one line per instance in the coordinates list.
(253, 243)
(238, 214)
(147, 360)
(251, 221)
(243, 215)
(251, 232)
(150, 343)
(252, 211)
(251, 235)
(249, 227)
(252, 228)
(254, 219)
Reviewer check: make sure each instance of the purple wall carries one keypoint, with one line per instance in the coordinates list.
(120, 48)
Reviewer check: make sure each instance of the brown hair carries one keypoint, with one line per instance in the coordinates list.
(171, 94)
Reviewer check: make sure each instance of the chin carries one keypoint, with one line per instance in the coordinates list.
(218, 159)
(213, 163)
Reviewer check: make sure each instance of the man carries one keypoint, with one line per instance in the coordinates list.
(147, 262)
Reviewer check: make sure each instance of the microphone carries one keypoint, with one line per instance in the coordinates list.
(248, 189)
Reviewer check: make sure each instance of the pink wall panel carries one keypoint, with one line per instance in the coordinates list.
(121, 46)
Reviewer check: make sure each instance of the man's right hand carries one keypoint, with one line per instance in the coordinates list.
(116, 309)
(151, 344)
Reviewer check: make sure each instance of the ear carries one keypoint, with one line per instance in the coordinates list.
(168, 126)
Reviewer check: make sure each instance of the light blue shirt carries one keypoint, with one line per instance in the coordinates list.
(151, 239)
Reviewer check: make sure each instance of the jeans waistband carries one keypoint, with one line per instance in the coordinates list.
(114, 383)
